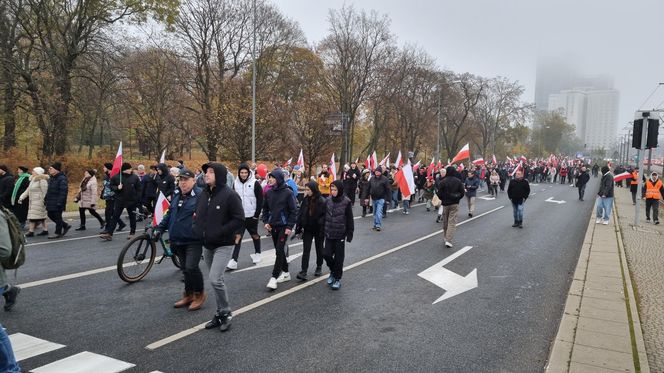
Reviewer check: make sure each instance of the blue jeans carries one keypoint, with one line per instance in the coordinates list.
(406, 204)
(395, 198)
(378, 212)
(604, 206)
(7, 360)
(518, 211)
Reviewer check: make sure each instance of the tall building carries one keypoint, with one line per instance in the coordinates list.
(594, 113)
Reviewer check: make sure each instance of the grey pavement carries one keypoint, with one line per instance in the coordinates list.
(644, 246)
(382, 319)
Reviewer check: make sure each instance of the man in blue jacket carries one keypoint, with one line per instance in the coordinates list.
(56, 199)
(471, 184)
(178, 221)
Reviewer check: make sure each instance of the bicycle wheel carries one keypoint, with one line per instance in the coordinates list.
(136, 259)
(174, 257)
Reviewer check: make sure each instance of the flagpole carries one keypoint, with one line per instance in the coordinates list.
(253, 90)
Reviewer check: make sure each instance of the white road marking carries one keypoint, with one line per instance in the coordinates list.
(451, 282)
(550, 199)
(85, 362)
(26, 346)
(50, 242)
(185, 333)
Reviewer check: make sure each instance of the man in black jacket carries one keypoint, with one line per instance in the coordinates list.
(56, 199)
(581, 182)
(219, 216)
(379, 190)
(128, 190)
(518, 192)
(279, 216)
(165, 181)
(350, 180)
(6, 186)
(450, 191)
(605, 197)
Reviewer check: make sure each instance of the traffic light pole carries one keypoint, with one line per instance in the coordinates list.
(639, 185)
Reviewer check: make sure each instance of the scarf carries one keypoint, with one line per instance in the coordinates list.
(84, 184)
(17, 185)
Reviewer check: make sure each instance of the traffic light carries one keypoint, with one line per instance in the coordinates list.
(653, 132)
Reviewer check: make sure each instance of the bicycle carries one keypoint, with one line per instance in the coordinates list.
(139, 255)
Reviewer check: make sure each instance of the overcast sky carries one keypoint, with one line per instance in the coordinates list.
(504, 37)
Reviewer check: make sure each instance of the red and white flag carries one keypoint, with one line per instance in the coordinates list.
(517, 168)
(431, 166)
(333, 168)
(300, 160)
(439, 165)
(464, 153)
(399, 162)
(160, 209)
(117, 163)
(405, 180)
(288, 162)
(623, 176)
(461, 167)
(386, 161)
(374, 161)
(417, 165)
(523, 159)
(494, 160)
(162, 159)
(478, 161)
(367, 163)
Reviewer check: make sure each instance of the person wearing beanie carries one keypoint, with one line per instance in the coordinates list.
(339, 228)
(450, 191)
(20, 186)
(250, 192)
(108, 195)
(56, 199)
(219, 216)
(35, 195)
(279, 216)
(87, 198)
(379, 191)
(128, 189)
(310, 227)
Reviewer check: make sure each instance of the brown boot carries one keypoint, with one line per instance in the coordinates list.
(199, 299)
(187, 298)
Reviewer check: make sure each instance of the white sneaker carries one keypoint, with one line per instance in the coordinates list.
(605, 222)
(448, 244)
(283, 277)
(598, 220)
(256, 258)
(272, 284)
(232, 264)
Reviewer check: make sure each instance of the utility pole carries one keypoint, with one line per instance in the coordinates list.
(641, 153)
(253, 90)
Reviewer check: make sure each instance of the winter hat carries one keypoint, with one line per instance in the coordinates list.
(23, 168)
(38, 170)
(57, 166)
(379, 169)
(340, 188)
(108, 165)
(126, 166)
(92, 172)
(449, 170)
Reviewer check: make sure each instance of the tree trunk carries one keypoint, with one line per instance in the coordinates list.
(9, 139)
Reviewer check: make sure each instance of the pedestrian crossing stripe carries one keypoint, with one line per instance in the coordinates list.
(26, 346)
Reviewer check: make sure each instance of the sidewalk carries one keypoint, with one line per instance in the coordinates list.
(600, 330)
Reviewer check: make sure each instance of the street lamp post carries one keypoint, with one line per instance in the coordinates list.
(253, 90)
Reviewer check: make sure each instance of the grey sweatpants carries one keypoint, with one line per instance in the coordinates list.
(216, 260)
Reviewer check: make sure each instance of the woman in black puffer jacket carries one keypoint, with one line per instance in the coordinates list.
(310, 224)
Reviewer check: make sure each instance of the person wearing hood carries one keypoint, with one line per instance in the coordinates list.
(279, 216)
(219, 216)
(250, 192)
(165, 181)
(128, 190)
(450, 191)
(310, 225)
(339, 228)
(108, 195)
(379, 190)
(653, 190)
(363, 186)
(20, 186)
(351, 178)
(35, 194)
(471, 184)
(6, 186)
(56, 199)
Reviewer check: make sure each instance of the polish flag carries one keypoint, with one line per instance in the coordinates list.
(399, 162)
(385, 160)
(160, 210)
(288, 162)
(431, 166)
(439, 165)
(494, 160)
(417, 165)
(117, 163)
(374, 161)
(524, 159)
(478, 161)
(621, 177)
(405, 180)
(162, 159)
(300, 160)
(464, 153)
(519, 167)
(461, 167)
(367, 163)
(333, 168)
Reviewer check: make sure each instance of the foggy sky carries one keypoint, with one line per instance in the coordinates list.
(505, 37)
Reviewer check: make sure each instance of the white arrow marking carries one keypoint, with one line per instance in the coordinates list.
(453, 283)
(550, 199)
(267, 260)
(488, 198)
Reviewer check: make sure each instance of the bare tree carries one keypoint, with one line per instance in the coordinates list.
(458, 105)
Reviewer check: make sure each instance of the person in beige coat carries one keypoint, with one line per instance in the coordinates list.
(87, 198)
(35, 195)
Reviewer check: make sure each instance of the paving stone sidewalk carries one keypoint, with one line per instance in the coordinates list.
(644, 247)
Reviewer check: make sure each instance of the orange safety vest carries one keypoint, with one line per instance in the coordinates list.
(653, 191)
(635, 178)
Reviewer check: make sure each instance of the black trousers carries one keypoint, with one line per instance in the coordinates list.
(56, 216)
(117, 212)
(251, 226)
(334, 253)
(190, 257)
(307, 239)
(350, 193)
(279, 240)
(653, 204)
(108, 214)
(582, 191)
(93, 212)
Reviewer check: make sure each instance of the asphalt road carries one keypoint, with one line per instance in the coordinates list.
(382, 319)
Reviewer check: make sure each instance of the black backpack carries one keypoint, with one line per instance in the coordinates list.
(17, 238)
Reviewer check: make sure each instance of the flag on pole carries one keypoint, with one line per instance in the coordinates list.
(333, 168)
(162, 159)
(439, 166)
(374, 161)
(621, 177)
(300, 160)
(367, 163)
(417, 165)
(523, 158)
(478, 161)
(494, 160)
(517, 168)
(464, 153)
(117, 163)
(405, 180)
(461, 167)
(399, 162)
(160, 209)
(431, 166)
(385, 160)
(288, 162)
